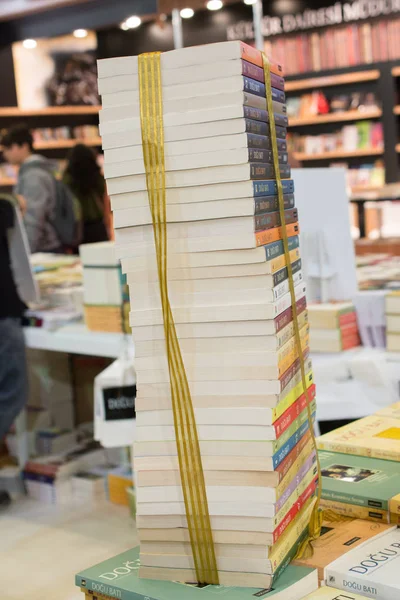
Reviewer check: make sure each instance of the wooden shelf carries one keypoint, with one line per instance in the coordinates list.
(396, 71)
(302, 156)
(14, 111)
(7, 181)
(59, 144)
(330, 80)
(348, 115)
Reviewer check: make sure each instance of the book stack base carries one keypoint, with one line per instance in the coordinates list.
(229, 292)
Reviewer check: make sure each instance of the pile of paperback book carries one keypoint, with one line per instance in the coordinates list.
(229, 292)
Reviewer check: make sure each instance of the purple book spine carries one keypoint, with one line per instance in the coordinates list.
(295, 482)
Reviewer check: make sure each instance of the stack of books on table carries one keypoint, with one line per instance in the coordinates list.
(106, 298)
(229, 293)
(392, 311)
(333, 327)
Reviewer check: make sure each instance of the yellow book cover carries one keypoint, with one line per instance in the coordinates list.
(292, 396)
(394, 505)
(354, 511)
(279, 262)
(337, 538)
(375, 436)
(329, 593)
(279, 550)
(392, 411)
(288, 354)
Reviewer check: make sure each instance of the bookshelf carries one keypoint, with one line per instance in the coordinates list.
(339, 117)
(50, 111)
(332, 80)
(340, 154)
(53, 117)
(70, 143)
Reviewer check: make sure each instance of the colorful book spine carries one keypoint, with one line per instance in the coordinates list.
(264, 142)
(278, 263)
(258, 88)
(262, 128)
(285, 468)
(274, 234)
(283, 274)
(259, 114)
(268, 188)
(293, 412)
(273, 219)
(271, 204)
(354, 511)
(263, 171)
(281, 454)
(292, 395)
(265, 156)
(286, 316)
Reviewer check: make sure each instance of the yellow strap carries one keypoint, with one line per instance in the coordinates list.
(315, 525)
(191, 470)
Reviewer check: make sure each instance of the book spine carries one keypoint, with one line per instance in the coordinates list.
(302, 485)
(262, 128)
(283, 288)
(254, 72)
(291, 554)
(107, 590)
(271, 204)
(295, 459)
(302, 471)
(264, 142)
(251, 54)
(286, 317)
(255, 87)
(296, 508)
(276, 248)
(354, 511)
(283, 274)
(278, 263)
(268, 188)
(293, 394)
(293, 536)
(265, 156)
(261, 103)
(356, 499)
(277, 82)
(293, 412)
(394, 504)
(346, 448)
(347, 581)
(273, 219)
(284, 450)
(272, 235)
(259, 114)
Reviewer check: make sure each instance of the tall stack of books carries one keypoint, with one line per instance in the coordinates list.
(333, 327)
(229, 293)
(106, 298)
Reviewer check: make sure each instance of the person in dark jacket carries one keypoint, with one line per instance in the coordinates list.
(83, 176)
(13, 370)
(37, 185)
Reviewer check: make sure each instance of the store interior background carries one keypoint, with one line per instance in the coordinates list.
(360, 62)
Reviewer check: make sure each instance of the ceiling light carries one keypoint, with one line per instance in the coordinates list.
(124, 26)
(133, 22)
(29, 44)
(214, 4)
(250, 2)
(187, 13)
(80, 33)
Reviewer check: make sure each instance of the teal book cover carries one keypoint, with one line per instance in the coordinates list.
(359, 480)
(118, 578)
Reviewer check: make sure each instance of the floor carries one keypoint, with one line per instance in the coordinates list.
(42, 547)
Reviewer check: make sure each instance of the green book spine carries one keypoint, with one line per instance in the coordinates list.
(358, 500)
(107, 589)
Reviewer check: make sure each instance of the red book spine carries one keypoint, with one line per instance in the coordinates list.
(383, 41)
(292, 369)
(284, 466)
(293, 411)
(350, 341)
(287, 317)
(346, 318)
(296, 508)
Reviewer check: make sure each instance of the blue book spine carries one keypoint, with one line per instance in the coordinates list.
(268, 188)
(257, 73)
(262, 128)
(38, 477)
(275, 249)
(264, 142)
(283, 274)
(271, 203)
(258, 114)
(258, 89)
(290, 444)
(266, 156)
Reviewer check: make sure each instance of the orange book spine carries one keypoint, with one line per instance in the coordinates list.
(274, 234)
(254, 56)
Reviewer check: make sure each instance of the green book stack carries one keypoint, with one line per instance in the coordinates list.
(118, 578)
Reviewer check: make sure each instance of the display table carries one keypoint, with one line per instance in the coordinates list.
(75, 339)
(350, 384)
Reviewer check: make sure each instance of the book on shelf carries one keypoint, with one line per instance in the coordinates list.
(371, 569)
(338, 538)
(105, 579)
(228, 289)
(375, 437)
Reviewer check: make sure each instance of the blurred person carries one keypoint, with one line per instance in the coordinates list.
(84, 178)
(13, 371)
(36, 183)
